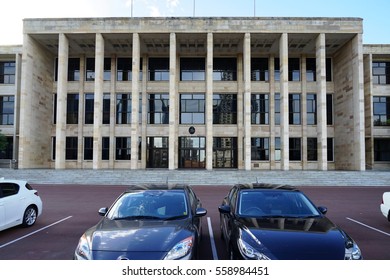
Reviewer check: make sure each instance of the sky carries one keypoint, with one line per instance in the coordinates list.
(375, 13)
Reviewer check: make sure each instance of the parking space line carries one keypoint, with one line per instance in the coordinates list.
(34, 232)
(212, 241)
(367, 226)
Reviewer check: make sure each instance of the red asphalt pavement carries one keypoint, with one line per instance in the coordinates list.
(71, 209)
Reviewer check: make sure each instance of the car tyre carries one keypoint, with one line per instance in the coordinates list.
(388, 216)
(29, 216)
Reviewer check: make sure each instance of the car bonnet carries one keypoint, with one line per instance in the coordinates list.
(305, 239)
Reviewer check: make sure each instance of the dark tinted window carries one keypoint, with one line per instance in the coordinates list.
(8, 189)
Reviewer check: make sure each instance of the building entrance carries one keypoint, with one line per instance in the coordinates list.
(192, 152)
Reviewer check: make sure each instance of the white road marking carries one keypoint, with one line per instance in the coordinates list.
(212, 241)
(367, 226)
(34, 232)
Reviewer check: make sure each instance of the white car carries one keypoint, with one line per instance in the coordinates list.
(385, 206)
(20, 204)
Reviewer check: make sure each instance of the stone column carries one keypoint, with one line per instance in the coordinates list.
(321, 102)
(98, 102)
(284, 127)
(173, 103)
(209, 102)
(247, 101)
(62, 90)
(359, 160)
(135, 101)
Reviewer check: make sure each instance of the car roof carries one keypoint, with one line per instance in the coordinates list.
(161, 187)
(265, 187)
(20, 182)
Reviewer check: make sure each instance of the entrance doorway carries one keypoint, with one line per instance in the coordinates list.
(192, 152)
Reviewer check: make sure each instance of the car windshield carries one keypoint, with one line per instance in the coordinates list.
(256, 203)
(150, 204)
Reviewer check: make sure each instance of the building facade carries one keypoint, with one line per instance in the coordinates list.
(240, 93)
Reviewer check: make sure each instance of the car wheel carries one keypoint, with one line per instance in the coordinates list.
(30, 216)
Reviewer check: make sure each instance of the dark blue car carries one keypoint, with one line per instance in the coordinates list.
(265, 222)
(147, 222)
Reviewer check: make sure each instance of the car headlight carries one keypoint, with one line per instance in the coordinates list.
(181, 249)
(352, 251)
(83, 251)
(249, 252)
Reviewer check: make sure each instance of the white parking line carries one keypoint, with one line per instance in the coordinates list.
(212, 241)
(34, 232)
(367, 226)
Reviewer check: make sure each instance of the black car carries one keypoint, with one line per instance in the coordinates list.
(147, 222)
(265, 222)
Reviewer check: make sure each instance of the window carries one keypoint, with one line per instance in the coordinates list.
(107, 69)
(90, 69)
(7, 72)
(157, 155)
(7, 151)
(260, 149)
(7, 110)
(123, 108)
(8, 189)
(381, 149)
(158, 111)
(329, 109)
(106, 108)
(225, 152)
(259, 71)
(158, 69)
(381, 110)
(277, 68)
(330, 149)
(311, 70)
(294, 108)
(123, 148)
(277, 108)
(192, 109)
(225, 69)
(192, 69)
(72, 108)
(381, 72)
(124, 69)
(328, 69)
(71, 148)
(54, 108)
(312, 154)
(88, 148)
(311, 107)
(74, 69)
(294, 69)
(295, 149)
(53, 148)
(259, 109)
(278, 149)
(89, 105)
(224, 109)
(105, 148)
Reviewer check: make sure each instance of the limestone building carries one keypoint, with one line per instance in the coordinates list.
(240, 93)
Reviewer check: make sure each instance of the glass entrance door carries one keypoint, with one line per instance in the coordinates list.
(192, 152)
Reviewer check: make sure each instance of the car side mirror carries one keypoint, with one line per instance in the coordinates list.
(200, 212)
(224, 209)
(323, 209)
(103, 211)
